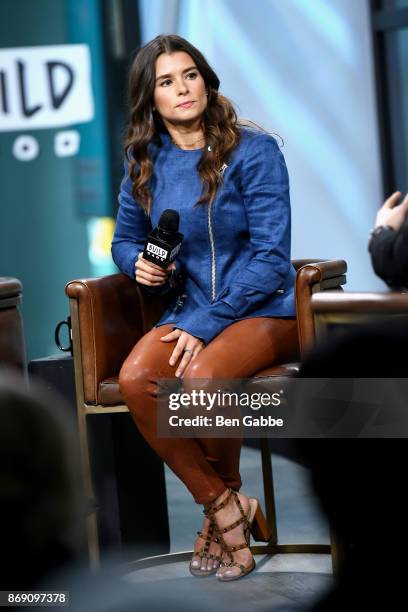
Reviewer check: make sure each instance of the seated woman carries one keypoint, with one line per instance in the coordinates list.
(186, 150)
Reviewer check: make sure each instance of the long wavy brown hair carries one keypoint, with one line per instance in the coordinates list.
(219, 120)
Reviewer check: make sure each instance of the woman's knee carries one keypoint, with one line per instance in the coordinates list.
(201, 375)
(133, 382)
(201, 368)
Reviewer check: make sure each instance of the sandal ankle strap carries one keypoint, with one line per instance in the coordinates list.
(210, 509)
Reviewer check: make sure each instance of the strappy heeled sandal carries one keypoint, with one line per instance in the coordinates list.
(253, 522)
(204, 554)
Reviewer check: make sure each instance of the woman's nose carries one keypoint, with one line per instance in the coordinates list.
(182, 87)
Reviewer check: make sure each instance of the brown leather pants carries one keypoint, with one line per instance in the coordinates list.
(205, 465)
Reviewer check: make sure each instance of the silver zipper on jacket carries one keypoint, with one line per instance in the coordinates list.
(212, 244)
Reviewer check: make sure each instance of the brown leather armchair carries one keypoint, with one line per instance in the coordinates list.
(111, 313)
(12, 344)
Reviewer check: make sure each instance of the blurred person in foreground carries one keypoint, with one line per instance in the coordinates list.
(360, 482)
(388, 243)
(42, 513)
(40, 501)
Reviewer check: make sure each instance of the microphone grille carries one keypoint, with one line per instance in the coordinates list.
(169, 220)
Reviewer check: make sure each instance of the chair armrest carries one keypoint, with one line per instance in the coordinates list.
(12, 341)
(311, 278)
(10, 292)
(391, 302)
(315, 272)
(108, 316)
(342, 309)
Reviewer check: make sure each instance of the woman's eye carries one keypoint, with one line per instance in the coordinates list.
(167, 82)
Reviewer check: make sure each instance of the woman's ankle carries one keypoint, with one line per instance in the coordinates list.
(218, 500)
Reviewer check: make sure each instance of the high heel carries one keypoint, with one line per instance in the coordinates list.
(259, 528)
(253, 522)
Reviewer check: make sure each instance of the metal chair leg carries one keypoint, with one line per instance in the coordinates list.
(269, 494)
(92, 519)
(337, 552)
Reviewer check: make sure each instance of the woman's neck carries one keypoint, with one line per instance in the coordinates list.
(186, 137)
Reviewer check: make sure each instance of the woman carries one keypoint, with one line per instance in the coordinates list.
(186, 151)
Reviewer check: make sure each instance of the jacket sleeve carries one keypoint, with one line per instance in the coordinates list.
(265, 193)
(389, 256)
(131, 230)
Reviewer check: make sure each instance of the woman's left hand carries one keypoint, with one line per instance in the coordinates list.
(187, 345)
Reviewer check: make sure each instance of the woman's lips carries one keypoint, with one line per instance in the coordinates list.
(185, 105)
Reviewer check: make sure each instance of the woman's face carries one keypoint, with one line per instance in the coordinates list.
(180, 92)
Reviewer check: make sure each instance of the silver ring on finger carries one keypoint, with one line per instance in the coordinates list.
(187, 350)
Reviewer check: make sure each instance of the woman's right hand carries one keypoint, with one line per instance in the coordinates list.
(149, 274)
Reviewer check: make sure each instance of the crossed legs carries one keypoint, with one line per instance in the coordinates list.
(207, 466)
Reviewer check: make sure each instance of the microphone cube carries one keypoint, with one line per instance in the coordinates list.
(162, 252)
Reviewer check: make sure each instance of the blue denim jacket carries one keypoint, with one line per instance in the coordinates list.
(236, 251)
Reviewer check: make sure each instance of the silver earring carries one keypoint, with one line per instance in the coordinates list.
(153, 108)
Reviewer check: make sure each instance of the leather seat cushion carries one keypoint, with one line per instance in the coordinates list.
(283, 369)
(108, 392)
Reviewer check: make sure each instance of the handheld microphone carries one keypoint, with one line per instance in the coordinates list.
(164, 242)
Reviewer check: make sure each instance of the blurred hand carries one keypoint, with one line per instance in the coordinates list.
(147, 273)
(391, 213)
(184, 341)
